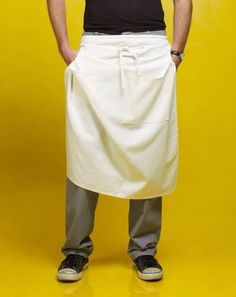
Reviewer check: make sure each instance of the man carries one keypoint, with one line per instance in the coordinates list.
(121, 122)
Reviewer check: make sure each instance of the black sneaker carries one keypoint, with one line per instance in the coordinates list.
(71, 267)
(148, 267)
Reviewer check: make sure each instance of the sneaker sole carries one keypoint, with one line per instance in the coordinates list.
(148, 276)
(71, 276)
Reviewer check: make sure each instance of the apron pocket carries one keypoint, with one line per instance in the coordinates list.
(153, 61)
(72, 62)
(82, 64)
(174, 66)
(150, 98)
(79, 77)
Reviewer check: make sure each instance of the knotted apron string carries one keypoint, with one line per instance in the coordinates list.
(123, 50)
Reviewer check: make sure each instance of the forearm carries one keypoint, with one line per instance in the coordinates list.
(181, 23)
(57, 15)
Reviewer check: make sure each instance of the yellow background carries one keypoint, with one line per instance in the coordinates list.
(197, 246)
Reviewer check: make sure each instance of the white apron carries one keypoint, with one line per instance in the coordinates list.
(121, 116)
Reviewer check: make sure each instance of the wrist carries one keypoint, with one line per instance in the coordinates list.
(179, 54)
(177, 46)
(63, 46)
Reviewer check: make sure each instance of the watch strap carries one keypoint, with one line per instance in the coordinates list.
(177, 53)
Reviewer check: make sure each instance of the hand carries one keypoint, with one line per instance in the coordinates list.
(68, 54)
(176, 60)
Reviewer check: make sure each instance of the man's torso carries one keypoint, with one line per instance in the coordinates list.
(117, 16)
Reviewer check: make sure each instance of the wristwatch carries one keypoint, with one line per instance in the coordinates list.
(178, 53)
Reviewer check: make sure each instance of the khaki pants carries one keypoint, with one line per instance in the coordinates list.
(144, 222)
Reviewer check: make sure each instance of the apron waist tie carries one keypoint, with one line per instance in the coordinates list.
(123, 49)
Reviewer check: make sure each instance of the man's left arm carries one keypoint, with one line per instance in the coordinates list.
(181, 26)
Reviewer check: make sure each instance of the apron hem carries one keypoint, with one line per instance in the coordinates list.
(92, 188)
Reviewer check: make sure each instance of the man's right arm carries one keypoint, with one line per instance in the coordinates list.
(57, 15)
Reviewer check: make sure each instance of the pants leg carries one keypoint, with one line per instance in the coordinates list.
(144, 226)
(80, 212)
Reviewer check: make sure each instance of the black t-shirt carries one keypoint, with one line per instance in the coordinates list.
(116, 16)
